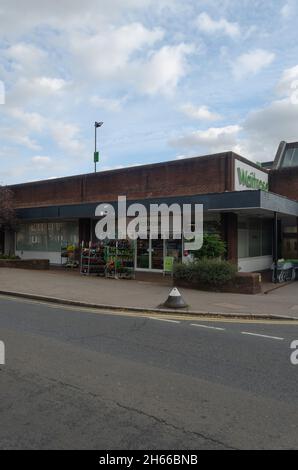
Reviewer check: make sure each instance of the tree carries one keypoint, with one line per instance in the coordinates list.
(213, 247)
(8, 218)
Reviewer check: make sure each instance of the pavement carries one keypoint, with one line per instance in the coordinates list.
(74, 379)
(132, 294)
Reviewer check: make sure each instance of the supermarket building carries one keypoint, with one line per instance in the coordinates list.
(253, 208)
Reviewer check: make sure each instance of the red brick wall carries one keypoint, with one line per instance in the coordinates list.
(229, 225)
(208, 174)
(284, 181)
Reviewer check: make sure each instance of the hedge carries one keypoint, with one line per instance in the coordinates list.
(213, 272)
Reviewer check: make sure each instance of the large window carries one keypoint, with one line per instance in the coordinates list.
(254, 237)
(46, 236)
(290, 158)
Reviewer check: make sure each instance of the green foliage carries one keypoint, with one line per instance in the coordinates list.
(213, 247)
(211, 272)
(8, 220)
(9, 257)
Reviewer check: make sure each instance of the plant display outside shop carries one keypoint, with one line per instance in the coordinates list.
(208, 267)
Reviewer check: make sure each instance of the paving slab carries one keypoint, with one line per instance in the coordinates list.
(145, 295)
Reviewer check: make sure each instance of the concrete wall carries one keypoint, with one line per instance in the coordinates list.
(258, 263)
(53, 256)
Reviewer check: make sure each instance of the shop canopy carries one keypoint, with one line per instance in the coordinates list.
(253, 202)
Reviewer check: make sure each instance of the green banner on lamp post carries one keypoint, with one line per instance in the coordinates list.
(96, 157)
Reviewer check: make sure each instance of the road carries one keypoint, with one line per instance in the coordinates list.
(76, 379)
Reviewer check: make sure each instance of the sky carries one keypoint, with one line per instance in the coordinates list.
(170, 79)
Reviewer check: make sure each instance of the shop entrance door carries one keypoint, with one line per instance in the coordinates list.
(150, 254)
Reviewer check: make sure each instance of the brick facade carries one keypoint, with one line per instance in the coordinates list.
(201, 175)
(284, 181)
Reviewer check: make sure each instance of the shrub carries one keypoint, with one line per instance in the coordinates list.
(211, 272)
(9, 257)
(213, 247)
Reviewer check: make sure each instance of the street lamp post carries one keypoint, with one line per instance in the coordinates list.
(96, 153)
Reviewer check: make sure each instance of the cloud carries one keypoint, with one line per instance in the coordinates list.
(19, 137)
(286, 83)
(67, 137)
(110, 104)
(266, 127)
(66, 15)
(30, 120)
(155, 71)
(108, 53)
(41, 162)
(210, 26)
(164, 69)
(25, 58)
(259, 134)
(214, 139)
(36, 90)
(252, 62)
(288, 9)
(202, 113)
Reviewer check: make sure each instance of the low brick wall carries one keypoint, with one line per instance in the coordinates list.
(244, 283)
(25, 263)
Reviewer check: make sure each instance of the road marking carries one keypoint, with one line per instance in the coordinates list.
(209, 327)
(182, 317)
(262, 336)
(163, 319)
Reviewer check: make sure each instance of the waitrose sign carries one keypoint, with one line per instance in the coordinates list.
(248, 177)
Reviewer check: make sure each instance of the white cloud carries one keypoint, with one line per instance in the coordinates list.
(38, 90)
(202, 113)
(214, 139)
(31, 121)
(20, 137)
(107, 54)
(288, 9)
(252, 62)
(210, 26)
(110, 104)
(257, 138)
(49, 83)
(67, 137)
(26, 58)
(266, 127)
(67, 15)
(41, 162)
(285, 84)
(164, 69)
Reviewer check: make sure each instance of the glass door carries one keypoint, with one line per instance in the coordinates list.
(143, 254)
(150, 254)
(157, 254)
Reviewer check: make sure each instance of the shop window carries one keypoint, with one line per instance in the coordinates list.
(267, 231)
(212, 223)
(174, 249)
(291, 158)
(46, 236)
(254, 237)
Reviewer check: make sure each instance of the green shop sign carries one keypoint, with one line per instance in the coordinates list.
(250, 180)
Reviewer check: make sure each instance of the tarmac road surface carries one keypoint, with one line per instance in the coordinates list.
(75, 379)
